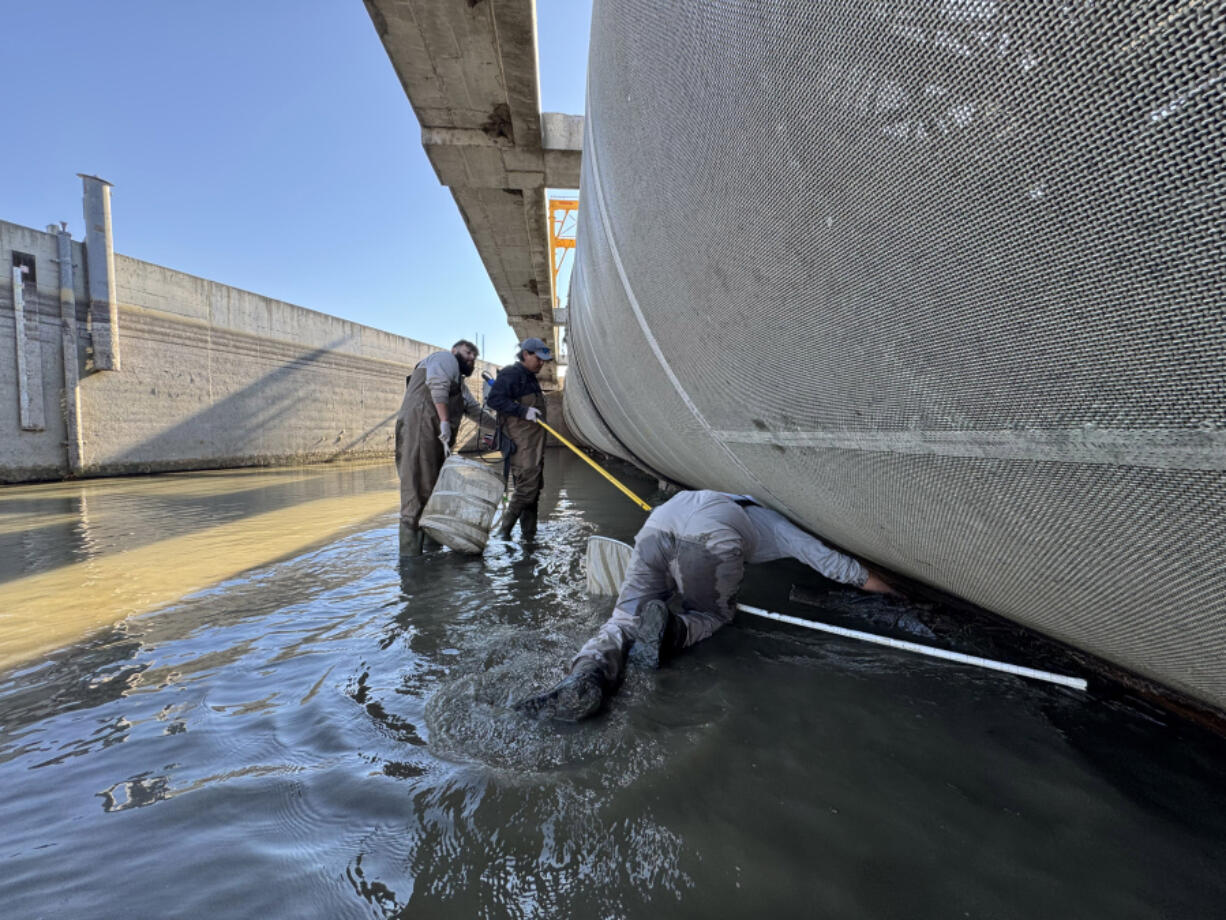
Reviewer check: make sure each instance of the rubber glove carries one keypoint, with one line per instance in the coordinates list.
(444, 435)
(532, 414)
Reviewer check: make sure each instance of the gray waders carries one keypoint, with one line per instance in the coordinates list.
(527, 469)
(419, 452)
(703, 570)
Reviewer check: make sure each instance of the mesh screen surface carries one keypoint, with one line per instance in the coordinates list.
(941, 280)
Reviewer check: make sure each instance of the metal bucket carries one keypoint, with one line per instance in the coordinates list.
(462, 506)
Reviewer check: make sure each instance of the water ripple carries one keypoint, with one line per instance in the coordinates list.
(328, 736)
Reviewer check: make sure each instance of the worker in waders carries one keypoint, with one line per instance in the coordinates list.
(693, 547)
(435, 400)
(517, 398)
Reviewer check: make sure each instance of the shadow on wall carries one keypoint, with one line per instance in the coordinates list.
(319, 406)
(304, 410)
(388, 422)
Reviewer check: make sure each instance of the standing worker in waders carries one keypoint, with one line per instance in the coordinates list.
(516, 396)
(694, 546)
(435, 400)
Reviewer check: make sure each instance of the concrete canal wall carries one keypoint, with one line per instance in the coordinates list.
(204, 375)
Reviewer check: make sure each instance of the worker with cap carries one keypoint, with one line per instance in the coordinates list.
(435, 400)
(517, 398)
(692, 548)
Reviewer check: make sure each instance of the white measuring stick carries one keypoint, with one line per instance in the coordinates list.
(1075, 682)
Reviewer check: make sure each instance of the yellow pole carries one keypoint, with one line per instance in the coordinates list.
(599, 469)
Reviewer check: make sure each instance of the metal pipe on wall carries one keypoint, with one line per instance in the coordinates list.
(100, 272)
(68, 344)
(29, 379)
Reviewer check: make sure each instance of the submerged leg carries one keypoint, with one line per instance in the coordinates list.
(658, 636)
(527, 522)
(597, 670)
(509, 517)
(411, 540)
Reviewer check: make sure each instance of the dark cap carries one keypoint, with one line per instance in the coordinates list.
(537, 347)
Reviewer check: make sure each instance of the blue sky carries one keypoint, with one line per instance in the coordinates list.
(265, 144)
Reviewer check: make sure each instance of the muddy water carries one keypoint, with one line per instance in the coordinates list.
(324, 735)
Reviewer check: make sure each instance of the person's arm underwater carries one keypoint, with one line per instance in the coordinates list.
(778, 537)
(875, 584)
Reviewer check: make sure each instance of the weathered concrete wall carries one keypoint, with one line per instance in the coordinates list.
(212, 376)
(34, 454)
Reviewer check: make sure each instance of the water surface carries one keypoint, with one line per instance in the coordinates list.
(324, 735)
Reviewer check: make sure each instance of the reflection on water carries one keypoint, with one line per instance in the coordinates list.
(324, 736)
(136, 545)
(45, 526)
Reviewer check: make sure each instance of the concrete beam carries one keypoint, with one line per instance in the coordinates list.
(515, 30)
(562, 168)
(562, 144)
(470, 71)
(536, 219)
(562, 132)
(462, 137)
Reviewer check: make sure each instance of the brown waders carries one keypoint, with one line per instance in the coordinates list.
(527, 469)
(419, 452)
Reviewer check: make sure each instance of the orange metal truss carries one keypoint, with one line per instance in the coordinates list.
(563, 219)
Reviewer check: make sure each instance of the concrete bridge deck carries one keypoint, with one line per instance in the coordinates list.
(470, 72)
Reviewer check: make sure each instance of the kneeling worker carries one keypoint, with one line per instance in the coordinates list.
(516, 396)
(435, 400)
(695, 545)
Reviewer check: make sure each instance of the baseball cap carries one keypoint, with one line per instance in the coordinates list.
(537, 347)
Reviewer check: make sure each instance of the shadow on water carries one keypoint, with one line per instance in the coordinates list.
(69, 530)
(327, 736)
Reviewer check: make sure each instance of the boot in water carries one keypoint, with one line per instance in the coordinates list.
(527, 523)
(509, 517)
(577, 696)
(411, 540)
(659, 635)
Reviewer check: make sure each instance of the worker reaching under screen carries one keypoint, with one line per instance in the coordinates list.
(694, 546)
(516, 396)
